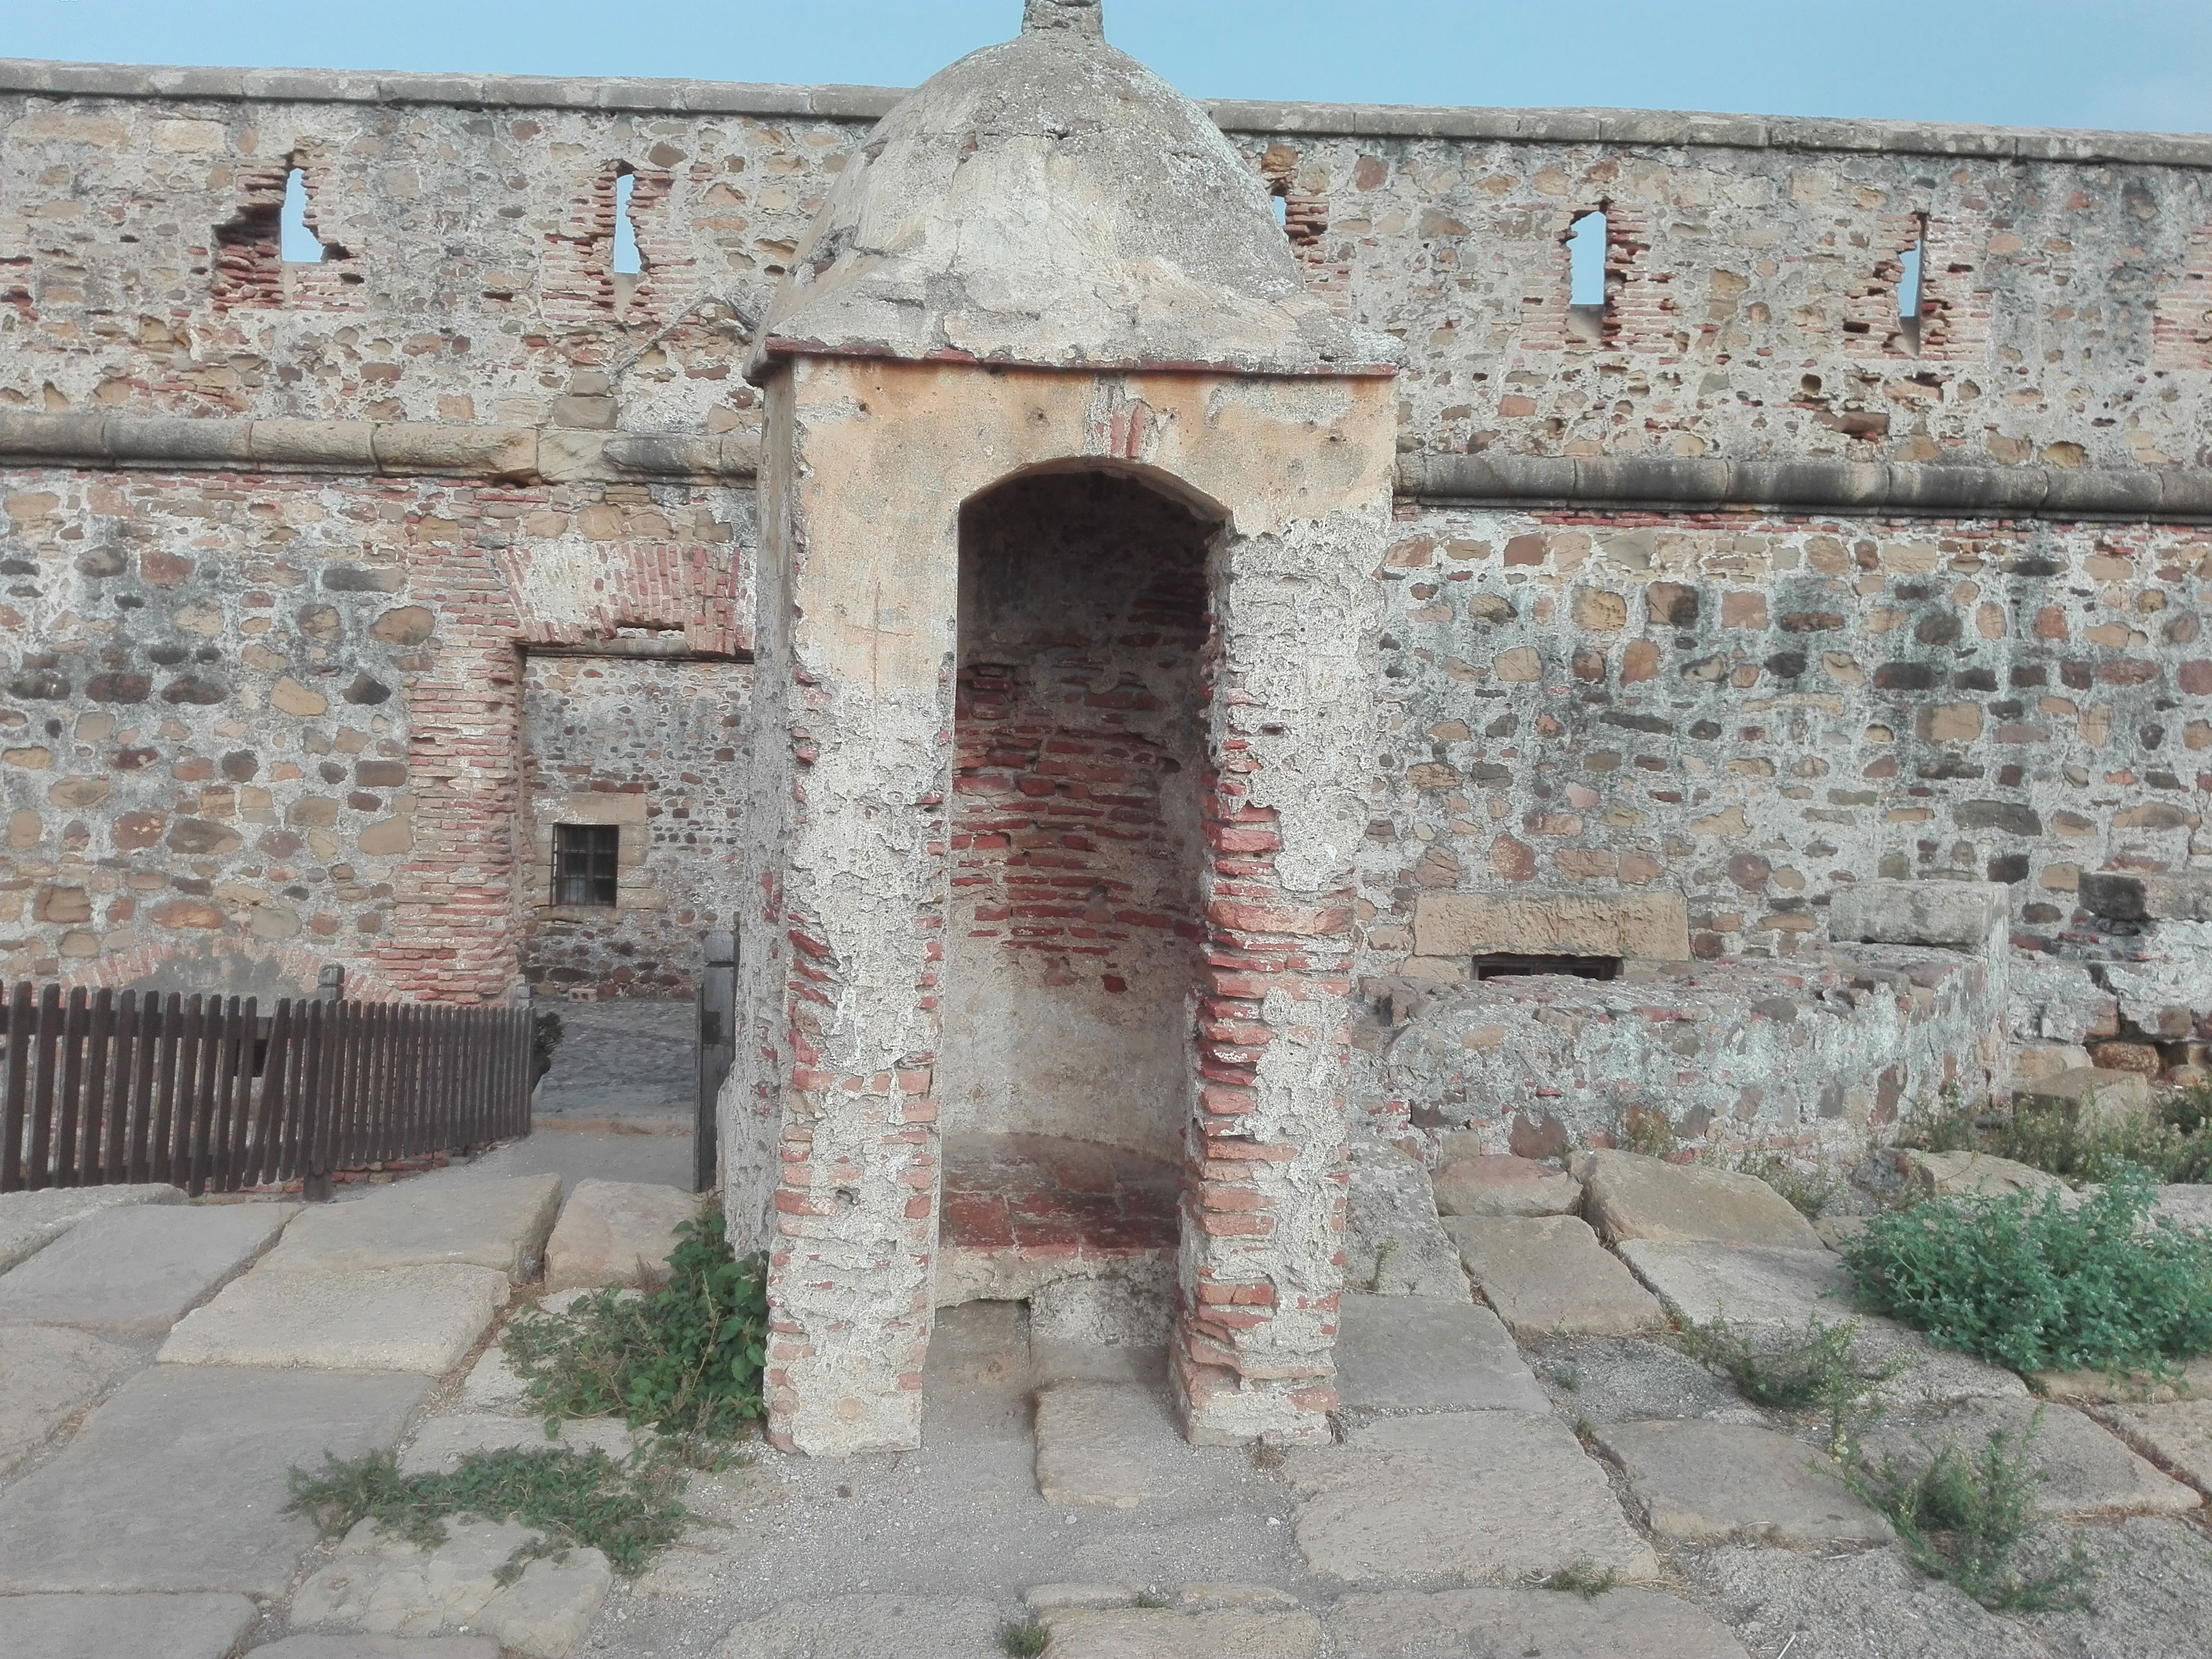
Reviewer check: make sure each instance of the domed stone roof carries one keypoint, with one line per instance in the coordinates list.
(1052, 202)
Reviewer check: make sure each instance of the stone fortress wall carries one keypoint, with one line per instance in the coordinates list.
(1733, 593)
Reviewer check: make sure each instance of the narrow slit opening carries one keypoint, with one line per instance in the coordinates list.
(1510, 965)
(629, 262)
(1912, 266)
(298, 244)
(1586, 252)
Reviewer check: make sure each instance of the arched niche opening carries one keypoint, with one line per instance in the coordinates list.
(1074, 936)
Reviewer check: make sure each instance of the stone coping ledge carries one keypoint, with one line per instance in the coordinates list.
(512, 454)
(1664, 128)
(1853, 488)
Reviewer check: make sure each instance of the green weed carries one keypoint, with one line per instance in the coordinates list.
(577, 1498)
(1808, 1195)
(1584, 1578)
(1023, 1639)
(1952, 1126)
(1820, 1367)
(686, 1359)
(2032, 1283)
(1964, 1517)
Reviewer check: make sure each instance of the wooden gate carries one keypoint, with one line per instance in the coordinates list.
(211, 1095)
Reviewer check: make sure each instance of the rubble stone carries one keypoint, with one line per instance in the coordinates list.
(420, 1319)
(615, 1232)
(1627, 1195)
(135, 1271)
(1403, 1353)
(1495, 1185)
(1548, 1276)
(501, 1223)
(1510, 1623)
(1709, 1483)
(2087, 1096)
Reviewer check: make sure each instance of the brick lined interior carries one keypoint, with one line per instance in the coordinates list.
(249, 271)
(1043, 1198)
(1075, 832)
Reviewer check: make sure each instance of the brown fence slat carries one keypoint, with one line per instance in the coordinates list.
(14, 1105)
(99, 1031)
(313, 1128)
(144, 1067)
(180, 1059)
(263, 1162)
(115, 1134)
(413, 1113)
(520, 1023)
(197, 1107)
(38, 1170)
(69, 1106)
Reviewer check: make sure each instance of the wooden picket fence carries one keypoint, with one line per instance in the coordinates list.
(210, 1094)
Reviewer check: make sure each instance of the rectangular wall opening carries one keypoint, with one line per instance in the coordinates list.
(1510, 966)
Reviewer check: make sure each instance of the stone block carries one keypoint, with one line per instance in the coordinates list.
(2178, 1435)
(1509, 1623)
(615, 1232)
(1960, 915)
(881, 1626)
(113, 1626)
(177, 1483)
(31, 1221)
(1170, 1634)
(501, 1223)
(441, 1442)
(2083, 1094)
(137, 1270)
(48, 1374)
(1711, 1483)
(1497, 1184)
(2086, 1472)
(1405, 1353)
(1948, 1175)
(2035, 1062)
(1548, 1276)
(1097, 1443)
(407, 1319)
(1552, 923)
(1627, 1195)
(1393, 1244)
(380, 1583)
(1409, 1500)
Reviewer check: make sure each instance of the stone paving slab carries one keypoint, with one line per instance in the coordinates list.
(407, 1319)
(871, 1627)
(380, 1583)
(441, 1443)
(2148, 1586)
(1410, 1353)
(1548, 1276)
(123, 1626)
(2178, 1434)
(2191, 1380)
(1613, 1379)
(135, 1271)
(1097, 1443)
(1167, 1633)
(177, 1483)
(1868, 1605)
(1711, 1483)
(616, 1232)
(1479, 1624)
(492, 1385)
(48, 1373)
(484, 1223)
(1471, 1497)
(380, 1647)
(1392, 1245)
(1627, 1195)
(1499, 1184)
(2086, 1471)
(31, 1221)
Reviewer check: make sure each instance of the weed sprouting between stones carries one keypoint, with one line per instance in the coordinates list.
(2174, 1143)
(686, 1359)
(1024, 1638)
(2036, 1283)
(584, 1497)
(1149, 1599)
(1810, 1195)
(1584, 1578)
(1819, 1366)
(1967, 1516)
(1645, 1129)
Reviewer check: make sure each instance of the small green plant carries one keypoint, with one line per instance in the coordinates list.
(1808, 1195)
(1955, 1125)
(1645, 1129)
(2036, 1283)
(686, 1359)
(2081, 1152)
(1569, 1377)
(576, 1498)
(1966, 1516)
(1024, 1638)
(1584, 1578)
(1819, 1366)
(1149, 1599)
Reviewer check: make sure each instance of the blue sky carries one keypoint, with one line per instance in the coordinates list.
(2144, 64)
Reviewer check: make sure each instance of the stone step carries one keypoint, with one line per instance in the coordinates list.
(497, 1223)
(421, 1319)
(1548, 1276)
(1410, 1353)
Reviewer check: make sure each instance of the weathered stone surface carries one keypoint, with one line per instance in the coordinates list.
(493, 1385)
(1095, 1442)
(1708, 1483)
(1853, 1607)
(2086, 1471)
(1652, 925)
(1493, 1185)
(1506, 1623)
(2190, 1380)
(31, 1221)
(442, 1442)
(1405, 1353)
(2148, 1584)
(1548, 1276)
(1944, 1174)
(1053, 1598)
(1169, 1633)
(123, 1627)
(615, 1232)
(1393, 1244)
(135, 1271)
(47, 1375)
(1445, 1498)
(2085, 1095)
(407, 1319)
(2178, 1434)
(1613, 1379)
(501, 1223)
(1627, 1195)
(380, 1584)
(871, 1627)
(177, 1483)
(381, 1647)
(1838, 1230)
(1957, 915)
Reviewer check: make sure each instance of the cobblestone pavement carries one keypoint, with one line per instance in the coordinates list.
(146, 1424)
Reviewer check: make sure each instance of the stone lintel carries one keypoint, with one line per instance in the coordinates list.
(1550, 921)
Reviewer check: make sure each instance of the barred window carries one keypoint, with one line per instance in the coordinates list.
(584, 857)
